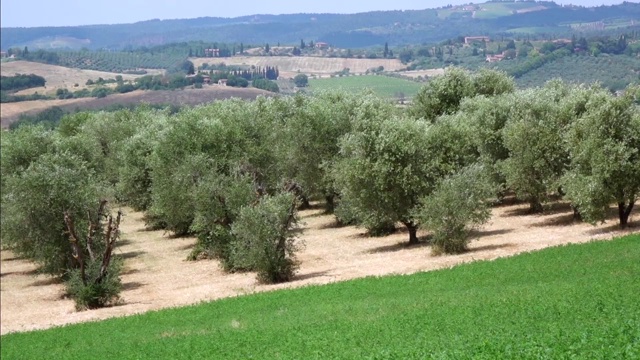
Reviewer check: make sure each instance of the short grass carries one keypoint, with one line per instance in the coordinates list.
(492, 10)
(383, 86)
(575, 301)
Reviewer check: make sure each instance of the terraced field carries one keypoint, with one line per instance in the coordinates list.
(290, 66)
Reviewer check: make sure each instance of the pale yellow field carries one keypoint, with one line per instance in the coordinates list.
(423, 73)
(58, 76)
(289, 66)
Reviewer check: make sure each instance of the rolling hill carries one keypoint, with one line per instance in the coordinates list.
(341, 30)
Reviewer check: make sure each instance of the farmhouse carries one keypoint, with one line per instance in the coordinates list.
(211, 52)
(473, 39)
(222, 82)
(322, 45)
(3, 54)
(495, 58)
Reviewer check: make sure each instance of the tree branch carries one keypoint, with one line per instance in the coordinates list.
(75, 245)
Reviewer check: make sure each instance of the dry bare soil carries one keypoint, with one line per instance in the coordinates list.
(290, 66)
(10, 112)
(156, 274)
(59, 77)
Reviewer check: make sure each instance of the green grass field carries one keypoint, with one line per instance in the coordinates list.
(576, 301)
(500, 9)
(383, 86)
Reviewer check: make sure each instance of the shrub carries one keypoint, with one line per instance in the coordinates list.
(95, 294)
(458, 204)
(301, 80)
(266, 239)
(93, 279)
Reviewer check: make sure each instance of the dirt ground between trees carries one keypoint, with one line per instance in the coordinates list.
(156, 274)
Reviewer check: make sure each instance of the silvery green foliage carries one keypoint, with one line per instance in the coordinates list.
(34, 202)
(218, 200)
(534, 137)
(313, 131)
(604, 146)
(444, 94)
(459, 203)
(134, 158)
(382, 172)
(265, 239)
(487, 116)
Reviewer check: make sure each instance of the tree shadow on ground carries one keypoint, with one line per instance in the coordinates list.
(15, 258)
(123, 242)
(129, 272)
(552, 208)
(132, 285)
(187, 247)
(475, 234)
(424, 242)
(131, 254)
(632, 227)
(509, 200)
(312, 275)
(314, 206)
(20, 273)
(48, 281)
(562, 220)
(334, 224)
(489, 247)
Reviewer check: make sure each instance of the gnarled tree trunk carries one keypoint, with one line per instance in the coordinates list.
(624, 211)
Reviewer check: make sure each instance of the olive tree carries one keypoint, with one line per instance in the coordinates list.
(312, 134)
(382, 173)
(265, 238)
(134, 159)
(444, 94)
(537, 155)
(459, 203)
(604, 146)
(35, 201)
(487, 117)
(218, 200)
(191, 145)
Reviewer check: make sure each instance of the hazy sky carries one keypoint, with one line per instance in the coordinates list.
(30, 13)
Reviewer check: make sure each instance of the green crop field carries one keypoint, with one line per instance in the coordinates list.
(576, 301)
(383, 86)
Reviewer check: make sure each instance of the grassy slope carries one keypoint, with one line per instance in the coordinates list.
(577, 300)
(383, 86)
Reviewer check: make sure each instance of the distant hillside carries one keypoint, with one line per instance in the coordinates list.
(353, 30)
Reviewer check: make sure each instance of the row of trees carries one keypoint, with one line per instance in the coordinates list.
(234, 173)
(20, 82)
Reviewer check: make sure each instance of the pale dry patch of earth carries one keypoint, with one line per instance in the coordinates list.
(423, 73)
(60, 77)
(290, 66)
(156, 274)
(11, 112)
